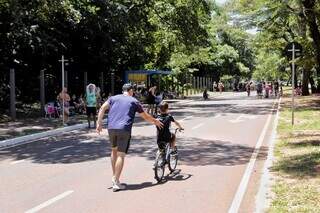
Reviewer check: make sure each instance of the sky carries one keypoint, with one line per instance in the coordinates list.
(220, 1)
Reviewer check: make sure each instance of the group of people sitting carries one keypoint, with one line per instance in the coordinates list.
(67, 106)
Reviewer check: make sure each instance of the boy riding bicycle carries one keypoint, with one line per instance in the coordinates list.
(164, 135)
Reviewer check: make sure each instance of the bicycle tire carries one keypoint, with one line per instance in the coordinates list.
(159, 169)
(173, 164)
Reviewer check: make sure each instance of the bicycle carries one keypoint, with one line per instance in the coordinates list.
(165, 157)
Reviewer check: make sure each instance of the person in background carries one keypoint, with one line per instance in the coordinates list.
(64, 99)
(91, 104)
(205, 94)
(267, 90)
(276, 88)
(82, 104)
(158, 100)
(259, 89)
(248, 88)
(215, 87)
(151, 99)
(221, 86)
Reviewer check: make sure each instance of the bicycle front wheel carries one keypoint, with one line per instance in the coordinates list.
(159, 168)
(173, 161)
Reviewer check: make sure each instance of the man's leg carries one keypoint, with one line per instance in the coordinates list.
(114, 156)
(88, 118)
(119, 165)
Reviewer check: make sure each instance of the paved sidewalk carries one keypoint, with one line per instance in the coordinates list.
(22, 127)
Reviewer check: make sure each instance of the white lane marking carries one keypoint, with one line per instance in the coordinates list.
(237, 120)
(17, 161)
(87, 141)
(198, 126)
(261, 200)
(242, 118)
(217, 116)
(49, 202)
(59, 149)
(185, 118)
(245, 178)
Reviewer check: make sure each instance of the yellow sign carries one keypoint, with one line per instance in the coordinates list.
(137, 77)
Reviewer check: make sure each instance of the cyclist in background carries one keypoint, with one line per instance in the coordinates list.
(163, 134)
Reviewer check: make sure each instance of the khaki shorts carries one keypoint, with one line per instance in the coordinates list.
(120, 138)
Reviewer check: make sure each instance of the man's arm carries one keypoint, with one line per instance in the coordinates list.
(151, 119)
(102, 111)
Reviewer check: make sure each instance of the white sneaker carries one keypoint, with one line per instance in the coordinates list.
(116, 186)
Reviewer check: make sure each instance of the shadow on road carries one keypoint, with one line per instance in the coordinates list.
(81, 147)
(177, 175)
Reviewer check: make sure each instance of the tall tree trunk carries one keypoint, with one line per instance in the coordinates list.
(311, 17)
(305, 82)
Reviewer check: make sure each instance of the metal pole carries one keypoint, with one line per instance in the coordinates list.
(66, 77)
(85, 81)
(102, 82)
(42, 92)
(12, 94)
(293, 74)
(112, 83)
(62, 68)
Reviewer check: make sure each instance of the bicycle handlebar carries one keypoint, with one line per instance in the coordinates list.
(178, 129)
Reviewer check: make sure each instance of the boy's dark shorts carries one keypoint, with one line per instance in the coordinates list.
(91, 110)
(163, 142)
(120, 138)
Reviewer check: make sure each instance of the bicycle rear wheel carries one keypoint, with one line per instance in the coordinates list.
(159, 168)
(173, 161)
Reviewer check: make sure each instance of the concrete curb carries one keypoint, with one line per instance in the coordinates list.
(262, 201)
(29, 138)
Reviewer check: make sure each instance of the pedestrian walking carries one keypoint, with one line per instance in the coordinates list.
(248, 88)
(221, 86)
(91, 104)
(122, 109)
(276, 88)
(64, 99)
(205, 94)
(151, 99)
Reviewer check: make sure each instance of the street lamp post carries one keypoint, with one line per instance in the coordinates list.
(63, 75)
(112, 82)
(295, 50)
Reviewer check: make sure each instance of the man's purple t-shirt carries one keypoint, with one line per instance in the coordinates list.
(122, 111)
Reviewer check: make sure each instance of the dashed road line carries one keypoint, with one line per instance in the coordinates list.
(59, 149)
(185, 118)
(217, 116)
(49, 202)
(17, 161)
(198, 126)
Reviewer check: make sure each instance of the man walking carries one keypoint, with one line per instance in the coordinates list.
(122, 110)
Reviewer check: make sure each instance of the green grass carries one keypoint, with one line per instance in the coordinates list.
(297, 165)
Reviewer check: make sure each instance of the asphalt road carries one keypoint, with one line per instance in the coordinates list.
(72, 172)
